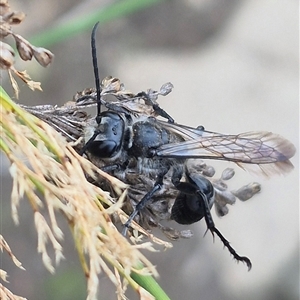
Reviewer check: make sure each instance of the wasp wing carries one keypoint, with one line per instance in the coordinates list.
(70, 120)
(251, 148)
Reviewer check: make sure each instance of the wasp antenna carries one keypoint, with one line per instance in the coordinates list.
(96, 72)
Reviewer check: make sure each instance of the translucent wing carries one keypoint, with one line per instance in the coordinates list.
(259, 148)
(69, 119)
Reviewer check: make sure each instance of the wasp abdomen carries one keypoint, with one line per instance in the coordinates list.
(189, 206)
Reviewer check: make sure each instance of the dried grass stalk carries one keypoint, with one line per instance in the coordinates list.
(42, 161)
(6, 294)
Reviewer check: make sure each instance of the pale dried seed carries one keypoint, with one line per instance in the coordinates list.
(43, 56)
(220, 185)
(170, 233)
(4, 3)
(221, 211)
(166, 88)
(186, 234)
(209, 171)
(24, 51)
(227, 174)
(7, 56)
(5, 30)
(247, 191)
(111, 84)
(225, 197)
(24, 48)
(4, 7)
(15, 17)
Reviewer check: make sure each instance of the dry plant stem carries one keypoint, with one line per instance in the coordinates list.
(4, 292)
(59, 173)
(5, 246)
(9, 19)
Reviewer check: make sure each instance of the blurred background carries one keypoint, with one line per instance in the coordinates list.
(234, 66)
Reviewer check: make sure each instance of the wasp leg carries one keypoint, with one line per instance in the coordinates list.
(89, 142)
(86, 97)
(157, 186)
(213, 229)
(113, 167)
(161, 112)
(244, 259)
(186, 204)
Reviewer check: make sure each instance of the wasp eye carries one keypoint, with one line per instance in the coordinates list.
(104, 148)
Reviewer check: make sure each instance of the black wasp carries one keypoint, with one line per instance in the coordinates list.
(129, 135)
